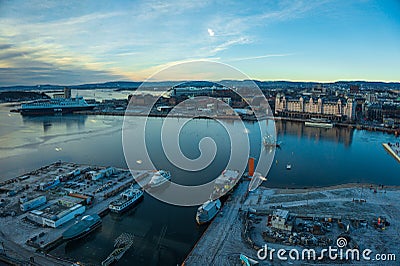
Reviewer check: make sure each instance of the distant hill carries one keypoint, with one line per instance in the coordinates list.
(14, 96)
(123, 85)
(132, 85)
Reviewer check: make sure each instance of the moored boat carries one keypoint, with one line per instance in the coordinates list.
(319, 122)
(127, 198)
(83, 227)
(225, 182)
(269, 141)
(56, 106)
(207, 211)
(159, 178)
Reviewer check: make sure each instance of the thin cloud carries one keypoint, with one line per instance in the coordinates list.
(229, 43)
(258, 57)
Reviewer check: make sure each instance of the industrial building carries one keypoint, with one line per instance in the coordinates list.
(32, 204)
(56, 214)
(96, 175)
(49, 185)
(280, 220)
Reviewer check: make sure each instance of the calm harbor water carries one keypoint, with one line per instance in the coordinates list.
(166, 233)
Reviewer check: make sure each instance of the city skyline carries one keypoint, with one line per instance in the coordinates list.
(44, 42)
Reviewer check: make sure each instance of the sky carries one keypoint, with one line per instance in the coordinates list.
(75, 42)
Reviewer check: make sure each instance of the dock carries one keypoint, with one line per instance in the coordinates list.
(243, 226)
(218, 245)
(71, 191)
(392, 151)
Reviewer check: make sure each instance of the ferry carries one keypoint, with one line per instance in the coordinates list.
(126, 199)
(207, 211)
(83, 227)
(159, 178)
(55, 106)
(319, 122)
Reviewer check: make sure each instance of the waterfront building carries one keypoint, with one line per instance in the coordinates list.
(66, 94)
(383, 112)
(33, 203)
(56, 214)
(306, 107)
(96, 175)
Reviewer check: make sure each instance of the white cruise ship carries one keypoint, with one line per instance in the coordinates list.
(56, 106)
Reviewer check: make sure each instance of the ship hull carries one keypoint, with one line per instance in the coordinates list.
(321, 125)
(159, 184)
(53, 111)
(83, 233)
(207, 216)
(201, 221)
(135, 202)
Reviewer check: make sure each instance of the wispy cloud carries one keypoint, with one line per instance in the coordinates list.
(257, 57)
(229, 43)
(133, 39)
(120, 41)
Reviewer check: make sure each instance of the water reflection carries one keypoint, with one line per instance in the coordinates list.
(69, 121)
(336, 134)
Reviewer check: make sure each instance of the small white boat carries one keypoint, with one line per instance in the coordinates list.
(207, 211)
(159, 178)
(288, 166)
(270, 141)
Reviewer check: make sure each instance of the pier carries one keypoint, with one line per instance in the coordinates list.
(394, 151)
(243, 226)
(219, 241)
(67, 187)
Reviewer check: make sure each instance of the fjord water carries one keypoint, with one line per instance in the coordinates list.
(165, 233)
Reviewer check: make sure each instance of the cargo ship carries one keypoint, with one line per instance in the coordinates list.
(127, 199)
(224, 183)
(83, 227)
(56, 106)
(207, 211)
(319, 122)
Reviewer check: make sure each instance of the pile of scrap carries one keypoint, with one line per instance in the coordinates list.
(121, 245)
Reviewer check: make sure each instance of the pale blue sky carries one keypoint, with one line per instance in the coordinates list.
(71, 42)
